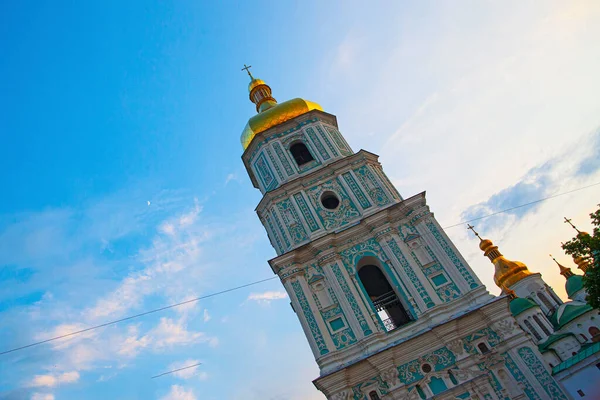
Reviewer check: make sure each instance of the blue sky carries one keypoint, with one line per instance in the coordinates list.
(106, 107)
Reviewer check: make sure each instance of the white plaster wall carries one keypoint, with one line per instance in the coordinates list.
(587, 380)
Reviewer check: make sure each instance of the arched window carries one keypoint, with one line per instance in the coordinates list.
(300, 153)
(595, 333)
(483, 348)
(373, 395)
(382, 295)
(542, 326)
(545, 300)
(532, 330)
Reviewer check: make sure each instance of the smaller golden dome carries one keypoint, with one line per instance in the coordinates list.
(507, 272)
(485, 243)
(254, 83)
(582, 263)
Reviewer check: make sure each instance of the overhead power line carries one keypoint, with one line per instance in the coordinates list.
(91, 328)
(269, 279)
(176, 370)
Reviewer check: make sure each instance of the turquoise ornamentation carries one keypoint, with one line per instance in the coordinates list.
(306, 213)
(311, 133)
(264, 173)
(351, 300)
(327, 142)
(292, 221)
(284, 160)
(537, 368)
(411, 274)
(518, 375)
(439, 359)
(310, 318)
(367, 179)
(450, 253)
(375, 381)
(362, 199)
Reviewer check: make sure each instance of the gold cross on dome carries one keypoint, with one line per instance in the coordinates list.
(568, 221)
(247, 69)
(471, 227)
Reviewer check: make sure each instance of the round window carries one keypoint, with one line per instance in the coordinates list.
(330, 201)
(426, 368)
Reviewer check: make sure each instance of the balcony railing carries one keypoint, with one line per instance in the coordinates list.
(385, 301)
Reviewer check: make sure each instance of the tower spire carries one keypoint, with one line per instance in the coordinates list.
(568, 221)
(260, 92)
(507, 272)
(564, 271)
(247, 69)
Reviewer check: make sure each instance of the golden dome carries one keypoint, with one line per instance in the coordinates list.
(270, 113)
(507, 272)
(582, 263)
(254, 83)
(485, 243)
(275, 116)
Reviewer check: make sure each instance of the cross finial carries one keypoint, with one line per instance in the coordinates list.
(247, 69)
(471, 227)
(568, 221)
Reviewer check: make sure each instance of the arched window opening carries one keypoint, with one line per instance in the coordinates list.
(383, 297)
(373, 395)
(300, 153)
(541, 325)
(546, 302)
(420, 392)
(452, 377)
(532, 330)
(483, 348)
(595, 333)
(437, 385)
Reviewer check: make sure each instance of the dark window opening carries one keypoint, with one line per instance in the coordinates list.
(532, 330)
(541, 325)
(383, 297)
(330, 201)
(595, 333)
(483, 348)
(580, 393)
(374, 396)
(300, 153)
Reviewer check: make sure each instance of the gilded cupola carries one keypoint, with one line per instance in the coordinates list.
(507, 272)
(270, 113)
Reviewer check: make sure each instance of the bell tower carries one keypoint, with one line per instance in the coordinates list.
(389, 306)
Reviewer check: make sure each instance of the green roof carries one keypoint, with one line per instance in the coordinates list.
(568, 312)
(552, 339)
(574, 284)
(582, 355)
(519, 304)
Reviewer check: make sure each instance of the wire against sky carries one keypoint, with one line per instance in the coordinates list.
(268, 279)
(176, 370)
(91, 328)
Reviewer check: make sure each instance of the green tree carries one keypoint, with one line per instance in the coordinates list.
(588, 246)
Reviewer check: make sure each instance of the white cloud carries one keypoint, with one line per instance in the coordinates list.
(267, 297)
(42, 396)
(179, 393)
(231, 177)
(52, 380)
(206, 317)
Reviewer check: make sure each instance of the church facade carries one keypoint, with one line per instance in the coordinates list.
(390, 308)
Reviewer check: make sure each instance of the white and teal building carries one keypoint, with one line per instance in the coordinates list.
(389, 306)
